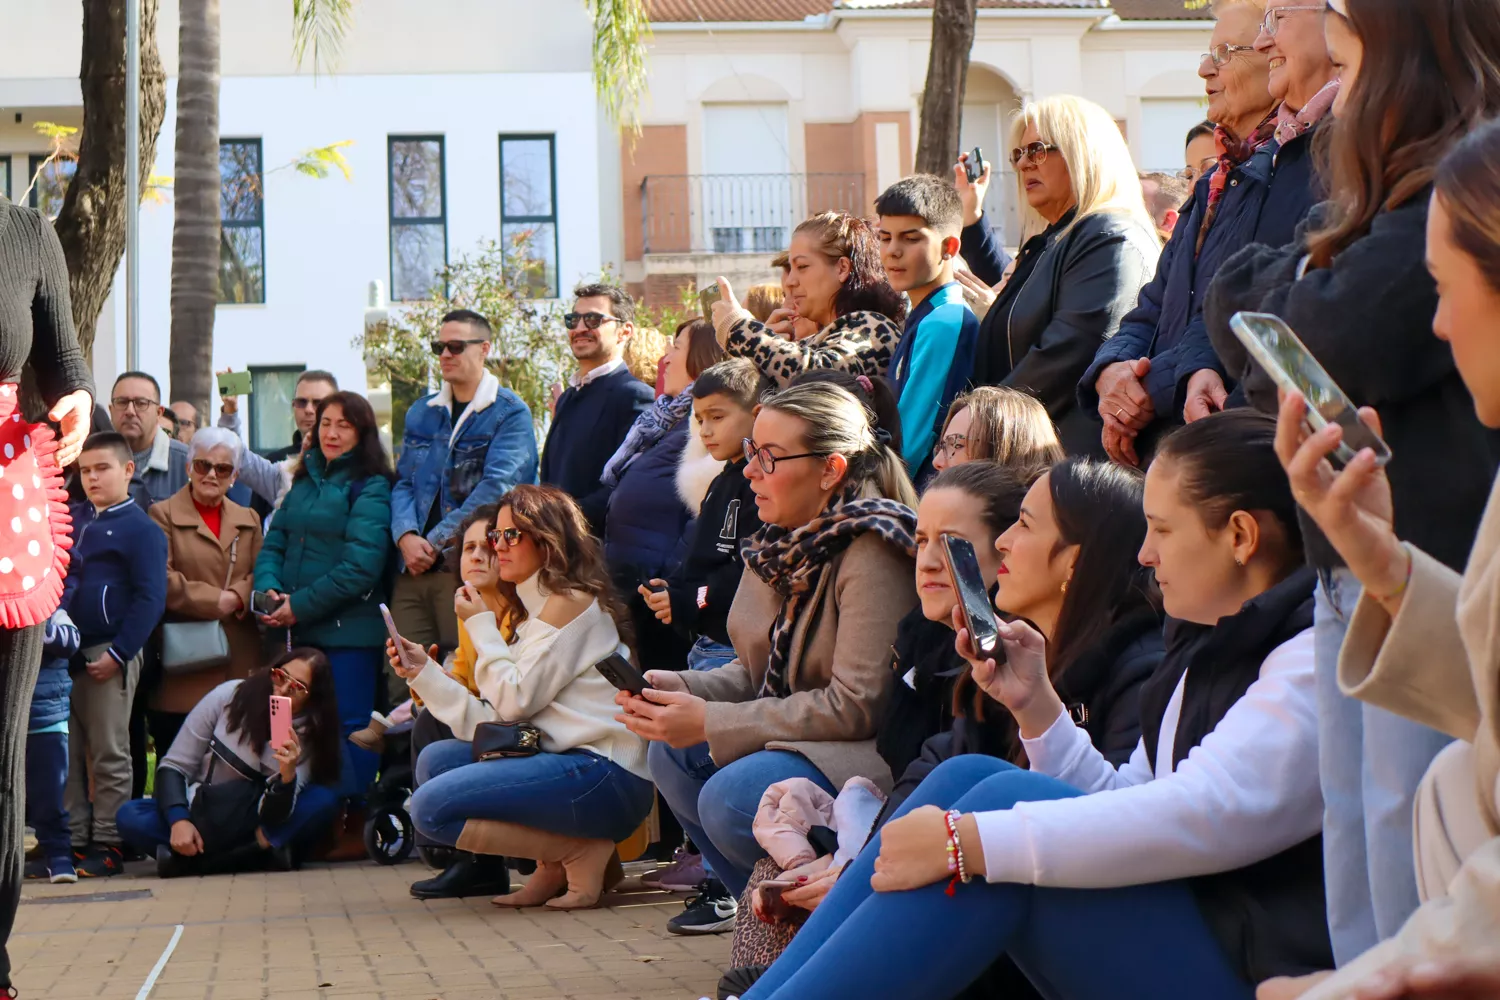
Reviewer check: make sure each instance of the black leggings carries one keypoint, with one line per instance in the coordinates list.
(20, 661)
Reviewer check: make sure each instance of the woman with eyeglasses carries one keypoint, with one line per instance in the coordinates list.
(1090, 247)
(826, 580)
(253, 805)
(997, 424)
(212, 545)
(326, 561)
(584, 786)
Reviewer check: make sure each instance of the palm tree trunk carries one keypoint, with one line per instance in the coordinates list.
(195, 228)
(943, 95)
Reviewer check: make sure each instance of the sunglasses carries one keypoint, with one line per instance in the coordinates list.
(220, 469)
(1036, 152)
(303, 403)
(453, 347)
(590, 321)
(767, 461)
(286, 678)
(510, 536)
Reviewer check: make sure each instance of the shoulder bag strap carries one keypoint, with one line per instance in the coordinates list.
(221, 752)
(234, 550)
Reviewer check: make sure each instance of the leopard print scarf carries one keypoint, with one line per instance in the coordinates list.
(791, 563)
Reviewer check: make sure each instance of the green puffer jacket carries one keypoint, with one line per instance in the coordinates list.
(331, 557)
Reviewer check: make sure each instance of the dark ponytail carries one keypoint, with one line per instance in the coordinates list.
(876, 393)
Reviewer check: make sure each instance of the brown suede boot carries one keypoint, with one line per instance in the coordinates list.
(584, 862)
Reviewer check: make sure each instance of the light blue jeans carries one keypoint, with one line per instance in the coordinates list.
(1369, 763)
(709, 655)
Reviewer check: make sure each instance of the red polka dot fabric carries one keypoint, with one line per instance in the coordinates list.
(34, 520)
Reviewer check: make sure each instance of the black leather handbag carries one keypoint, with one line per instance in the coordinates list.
(227, 813)
(496, 740)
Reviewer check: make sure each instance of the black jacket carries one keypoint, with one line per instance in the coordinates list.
(1368, 321)
(702, 589)
(1084, 282)
(588, 424)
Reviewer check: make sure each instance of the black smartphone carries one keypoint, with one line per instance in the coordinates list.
(973, 595)
(655, 588)
(623, 674)
(974, 165)
(262, 604)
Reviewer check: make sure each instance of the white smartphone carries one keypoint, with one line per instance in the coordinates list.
(1292, 367)
(390, 627)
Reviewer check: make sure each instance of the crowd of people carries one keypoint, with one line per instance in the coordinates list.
(1236, 735)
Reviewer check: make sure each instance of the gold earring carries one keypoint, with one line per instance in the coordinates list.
(1065, 586)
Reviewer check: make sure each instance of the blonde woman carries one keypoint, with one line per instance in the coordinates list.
(1092, 246)
(644, 352)
(997, 424)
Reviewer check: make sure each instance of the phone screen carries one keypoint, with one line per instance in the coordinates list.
(281, 720)
(973, 595)
(623, 674)
(1291, 366)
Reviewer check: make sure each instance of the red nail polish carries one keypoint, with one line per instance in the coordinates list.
(801, 878)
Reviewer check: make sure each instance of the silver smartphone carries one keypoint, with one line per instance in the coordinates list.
(1292, 367)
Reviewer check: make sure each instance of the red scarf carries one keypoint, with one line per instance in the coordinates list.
(1232, 153)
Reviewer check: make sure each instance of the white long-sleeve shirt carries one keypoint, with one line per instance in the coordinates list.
(544, 676)
(1247, 792)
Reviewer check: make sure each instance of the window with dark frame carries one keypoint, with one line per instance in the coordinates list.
(528, 204)
(5, 177)
(272, 389)
(242, 222)
(51, 185)
(419, 214)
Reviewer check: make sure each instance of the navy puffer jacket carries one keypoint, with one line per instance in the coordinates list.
(646, 528)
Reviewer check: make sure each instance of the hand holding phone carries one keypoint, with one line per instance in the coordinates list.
(706, 299)
(974, 165)
(973, 596)
(262, 603)
(623, 674)
(408, 664)
(235, 384)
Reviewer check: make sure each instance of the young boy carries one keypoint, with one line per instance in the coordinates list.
(120, 559)
(920, 218)
(47, 750)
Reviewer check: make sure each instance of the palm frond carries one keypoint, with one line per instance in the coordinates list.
(320, 25)
(319, 161)
(621, 31)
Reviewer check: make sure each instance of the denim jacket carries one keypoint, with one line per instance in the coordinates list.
(492, 449)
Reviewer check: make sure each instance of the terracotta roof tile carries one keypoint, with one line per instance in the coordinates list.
(1158, 10)
(797, 10)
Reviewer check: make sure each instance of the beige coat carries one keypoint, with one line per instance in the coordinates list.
(1438, 662)
(839, 670)
(197, 564)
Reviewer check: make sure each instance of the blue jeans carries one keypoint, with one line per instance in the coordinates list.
(142, 826)
(577, 793)
(706, 654)
(1369, 762)
(46, 779)
(716, 805)
(355, 674)
(1134, 943)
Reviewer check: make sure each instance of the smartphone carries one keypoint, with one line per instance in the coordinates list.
(623, 674)
(973, 595)
(974, 165)
(281, 721)
(771, 890)
(655, 588)
(235, 384)
(1292, 367)
(262, 603)
(390, 627)
(707, 298)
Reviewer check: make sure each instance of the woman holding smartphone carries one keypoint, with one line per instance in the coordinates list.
(256, 804)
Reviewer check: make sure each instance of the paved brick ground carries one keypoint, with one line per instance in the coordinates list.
(348, 930)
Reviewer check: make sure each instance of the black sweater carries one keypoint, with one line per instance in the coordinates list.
(36, 313)
(588, 424)
(703, 587)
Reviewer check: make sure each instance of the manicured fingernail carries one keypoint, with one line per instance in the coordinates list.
(801, 878)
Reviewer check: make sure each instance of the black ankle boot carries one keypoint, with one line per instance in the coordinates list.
(469, 875)
(170, 864)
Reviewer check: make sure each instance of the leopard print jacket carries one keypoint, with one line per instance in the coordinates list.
(860, 343)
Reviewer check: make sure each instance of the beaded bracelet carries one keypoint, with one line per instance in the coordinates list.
(955, 852)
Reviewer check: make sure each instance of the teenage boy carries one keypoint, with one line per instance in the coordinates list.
(920, 219)
(120, 559)
(696, 597)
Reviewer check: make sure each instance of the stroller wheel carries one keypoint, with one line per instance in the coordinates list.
(389, 836)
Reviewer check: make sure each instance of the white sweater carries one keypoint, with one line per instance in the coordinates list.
(1247, 792)
(544, 676)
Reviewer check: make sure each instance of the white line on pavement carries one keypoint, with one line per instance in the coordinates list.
(161, 963)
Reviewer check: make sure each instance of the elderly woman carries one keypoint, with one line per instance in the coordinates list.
(1094, 247)
(212, 543)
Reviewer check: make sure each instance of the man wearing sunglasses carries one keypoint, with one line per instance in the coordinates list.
(464, 445)
(268, 476)
(595, 412)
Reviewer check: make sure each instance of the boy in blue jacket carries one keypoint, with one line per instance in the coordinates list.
(120, 561)
(920, 219)
(47, 750)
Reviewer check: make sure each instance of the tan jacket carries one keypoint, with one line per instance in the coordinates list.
(839, 670)
(1438, 662)
(197, 564)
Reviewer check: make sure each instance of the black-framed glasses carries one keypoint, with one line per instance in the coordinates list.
(221, 469)
(510, 536)
(1223, 52)
(950, 446)
(1272, 23)
(590, 320)
(453, 347)
(286, 678)
(1036, 152)
(138, 403)
(767, 461)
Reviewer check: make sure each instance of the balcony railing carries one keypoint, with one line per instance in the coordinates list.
(739, 213)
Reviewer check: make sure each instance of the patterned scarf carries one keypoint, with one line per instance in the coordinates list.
(1290, 124)
(667, 412)
(1232, 153)
(792, 562)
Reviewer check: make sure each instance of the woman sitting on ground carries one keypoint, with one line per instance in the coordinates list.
(995, 423)
(1200, 858)
(255, 805)
(587, 788)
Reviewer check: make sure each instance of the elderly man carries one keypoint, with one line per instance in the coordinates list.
(1160, 370)
(160, 460)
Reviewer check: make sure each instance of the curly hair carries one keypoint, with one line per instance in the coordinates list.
(644, 349)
